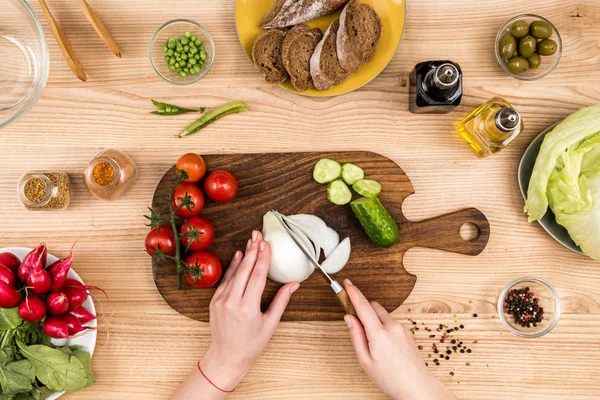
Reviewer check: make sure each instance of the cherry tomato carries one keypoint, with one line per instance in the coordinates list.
(193, 165)
(221, 186)
(204, 269)
(163, 239)
(195, 195)
(197, 233)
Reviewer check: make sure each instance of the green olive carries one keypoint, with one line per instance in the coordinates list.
(518, 65)
(508, 47)
(527, 46)
(540, 30)
(519, 29)
(534, 61)
(547, 47)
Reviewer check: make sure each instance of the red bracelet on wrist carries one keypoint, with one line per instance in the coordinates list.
(211, 382)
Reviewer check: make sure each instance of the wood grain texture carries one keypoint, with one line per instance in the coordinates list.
(145, 349)
(283, 182)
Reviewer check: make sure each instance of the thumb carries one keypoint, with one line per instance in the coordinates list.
(359, 339)
(280, 302)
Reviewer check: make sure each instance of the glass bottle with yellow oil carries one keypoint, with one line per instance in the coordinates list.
(491, 127)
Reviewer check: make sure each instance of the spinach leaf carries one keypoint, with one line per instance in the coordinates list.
(13, 382)
(9, 318)
(42, 393)
(22, 367)
(86, 360)
(24, 396)
(55, 369)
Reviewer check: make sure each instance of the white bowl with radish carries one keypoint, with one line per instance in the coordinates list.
(87, 339)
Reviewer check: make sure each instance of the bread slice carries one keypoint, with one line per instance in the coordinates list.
(266, 53)
(359, 35)
(298, 47)
(285, 13)
(324, 65)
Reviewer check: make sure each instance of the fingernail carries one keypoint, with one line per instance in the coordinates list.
(254, 236)
(262, 246)
(248, 245)
(347, 282)
(294, 288)
(348, 320)
(237, 255)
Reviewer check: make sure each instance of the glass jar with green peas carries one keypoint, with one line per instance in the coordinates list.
(185, 55)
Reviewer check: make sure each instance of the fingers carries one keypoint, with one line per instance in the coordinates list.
(359, 339)
(243, 272)
(363, 308)
(382, 313)
(258, 279)
(279, 303)
(226, 282)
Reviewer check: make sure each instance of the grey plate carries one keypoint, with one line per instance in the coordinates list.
(549, 223)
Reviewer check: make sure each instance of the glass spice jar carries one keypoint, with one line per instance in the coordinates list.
(110, 174)
(45, 190)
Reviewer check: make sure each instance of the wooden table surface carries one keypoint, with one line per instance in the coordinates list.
(145, 348)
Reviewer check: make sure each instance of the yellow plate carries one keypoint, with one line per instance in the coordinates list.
(392, 13)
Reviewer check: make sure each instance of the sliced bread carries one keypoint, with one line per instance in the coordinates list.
(298, 47)
(266, 54)
(325, 68)
(359, 35)
(285, 13)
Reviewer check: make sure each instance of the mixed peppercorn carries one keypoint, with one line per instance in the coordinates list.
(524, 307)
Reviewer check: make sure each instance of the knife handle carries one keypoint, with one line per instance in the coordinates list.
(346, 303)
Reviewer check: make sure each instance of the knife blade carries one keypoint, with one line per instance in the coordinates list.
(337, 288)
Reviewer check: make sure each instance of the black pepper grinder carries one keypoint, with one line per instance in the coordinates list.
(435, 87)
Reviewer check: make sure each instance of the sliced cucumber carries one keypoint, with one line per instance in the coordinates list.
(352, 173)
(327, 170)
(367, 188)
(339, 193)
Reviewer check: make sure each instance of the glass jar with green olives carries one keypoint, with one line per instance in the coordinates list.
(528, 47)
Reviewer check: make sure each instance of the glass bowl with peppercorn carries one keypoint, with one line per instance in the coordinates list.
(529, 307)
(528, 47)
(181, 52)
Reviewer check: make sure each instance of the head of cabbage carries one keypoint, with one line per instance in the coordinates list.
(566, 178)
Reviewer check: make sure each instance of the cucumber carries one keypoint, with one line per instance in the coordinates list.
(338, 193)
(351, 173)
(376, 221)
(327, 170)
(367, 187)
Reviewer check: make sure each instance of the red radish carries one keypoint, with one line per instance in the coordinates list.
(32, 309)
(56, 327)
(82, 314)
(74, 325)
(75, 296)
(58, 304)
(78, 284)
(36, 258)
(7, 276)
(39, 281)
(10, 261)
(59, 271)
(9, 297)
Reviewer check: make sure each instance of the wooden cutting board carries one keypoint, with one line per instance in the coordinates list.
(283, 182)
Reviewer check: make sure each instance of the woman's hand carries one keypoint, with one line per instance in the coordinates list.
(239, 330)
(388, 353)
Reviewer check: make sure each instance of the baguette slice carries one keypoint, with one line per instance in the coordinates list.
(298, 47)
(359, 35)
(266, 53)
(324, 65)
(285, 13)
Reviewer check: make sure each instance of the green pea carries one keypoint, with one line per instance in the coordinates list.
(193, 61)
(172, 61)
(165, 48)
(184, 40)
(540, 30)
(197, 56)
(519, 29)
(193, 38)
(180, 48)
(197, 68)
(182, 63)
(186, 70)
(171, 45)
(172, 67)
(518, 65)
(527, 46)
(547, 47)
(186, 48)
(203, 55)
(508, 47)
(170, 52)
(182, 74)
(198, 42)
(187, 35)
(534, 61)
(168, 109)
(177, 54)
(193, 50)
(167, 58)
(184, 56)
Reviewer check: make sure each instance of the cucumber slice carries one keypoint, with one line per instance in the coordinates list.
(352, 173)
(376, 221)
(327, 170)
(339, 193)
(367, 188)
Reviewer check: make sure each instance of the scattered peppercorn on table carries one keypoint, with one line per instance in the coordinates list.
(147, 348)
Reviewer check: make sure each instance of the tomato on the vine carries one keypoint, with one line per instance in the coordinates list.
(194, 196)
(203, 269)
(197, 233)
(193, 165)
(221, 186)
(163, 238)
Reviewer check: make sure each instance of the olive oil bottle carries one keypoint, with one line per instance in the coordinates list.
(435, 87)
(491, 127)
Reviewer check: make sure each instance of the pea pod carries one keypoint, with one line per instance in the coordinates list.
(169, 109)
(214, 115)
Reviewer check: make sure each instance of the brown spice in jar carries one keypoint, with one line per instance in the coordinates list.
(35, 190)
(103, 173)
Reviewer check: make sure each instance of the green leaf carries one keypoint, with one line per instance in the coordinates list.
(22, 367)
(41, 393)
(13, 382)
(86, 360)
(55, 369)
(9, 318)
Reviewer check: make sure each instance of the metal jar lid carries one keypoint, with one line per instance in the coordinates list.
(508, 119)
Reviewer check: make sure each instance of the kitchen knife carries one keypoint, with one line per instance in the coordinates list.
(337, 288)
